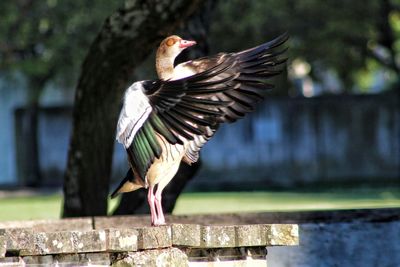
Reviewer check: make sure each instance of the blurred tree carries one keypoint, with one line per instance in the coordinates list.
(340, 35)
(45, 42)
(127, 37)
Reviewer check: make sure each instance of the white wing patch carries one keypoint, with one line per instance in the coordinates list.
(135, 111)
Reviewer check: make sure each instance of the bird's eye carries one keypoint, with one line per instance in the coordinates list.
(170, 42)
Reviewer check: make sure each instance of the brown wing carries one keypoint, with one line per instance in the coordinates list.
(253, 69)
(202, 64)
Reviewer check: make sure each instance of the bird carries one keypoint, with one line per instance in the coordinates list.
(168, 120)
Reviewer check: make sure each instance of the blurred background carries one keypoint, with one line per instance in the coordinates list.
(328, 135)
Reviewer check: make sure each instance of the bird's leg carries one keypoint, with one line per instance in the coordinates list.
(151, 199)
(160, 219)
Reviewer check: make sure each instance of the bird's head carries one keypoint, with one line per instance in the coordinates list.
(168, 50)
(173, 45)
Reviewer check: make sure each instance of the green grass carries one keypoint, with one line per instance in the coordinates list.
(283, 201)
(47, 207)
(27, 208)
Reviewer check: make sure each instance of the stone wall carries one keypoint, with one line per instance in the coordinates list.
(124, 241)
(366, 238)
(301, 142)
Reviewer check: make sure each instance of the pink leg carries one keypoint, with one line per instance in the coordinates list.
(151, 199)
(161, 219)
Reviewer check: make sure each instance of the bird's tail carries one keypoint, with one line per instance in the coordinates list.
(128, 184)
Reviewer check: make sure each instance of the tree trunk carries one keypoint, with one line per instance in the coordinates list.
(28, 145)
(125, 40)
(32, 156)
(197, 28)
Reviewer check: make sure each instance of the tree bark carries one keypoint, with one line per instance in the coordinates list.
(125, 40)
(197, 28)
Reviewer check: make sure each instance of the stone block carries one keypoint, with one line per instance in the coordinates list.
(231, 263)
(217, 236)
(67, 242)
(83, 259)
(250, 235)
(253, 256)
(97, 259)
(46, 260)
(19, 224)
(282, 234)
(3, 243)
(154, 237)
(122, 239)
(121, 222)
(11, 262)
(153, 258)
(186, 235)
(70, 224)
(18, 239)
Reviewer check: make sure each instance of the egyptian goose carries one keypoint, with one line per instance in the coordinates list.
(168, 120)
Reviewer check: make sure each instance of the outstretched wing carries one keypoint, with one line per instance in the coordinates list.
(184, 106)
(253, 68)
(176, 110)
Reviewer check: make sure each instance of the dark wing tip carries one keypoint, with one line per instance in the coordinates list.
(116, 192)
(284, 36)
(281, 39)
(128, 177)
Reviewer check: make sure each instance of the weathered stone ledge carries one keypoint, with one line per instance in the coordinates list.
(328, 238)
(28, 242)
(116, 240)
(90, 223)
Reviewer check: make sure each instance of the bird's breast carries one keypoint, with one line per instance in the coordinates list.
(182, 71)
(167, 165)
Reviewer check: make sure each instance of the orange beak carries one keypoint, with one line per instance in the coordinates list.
(186, 43)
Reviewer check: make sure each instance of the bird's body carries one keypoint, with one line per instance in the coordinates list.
(164, 168)
(165, 121)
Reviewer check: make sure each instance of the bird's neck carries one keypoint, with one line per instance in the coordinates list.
(164, 66)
